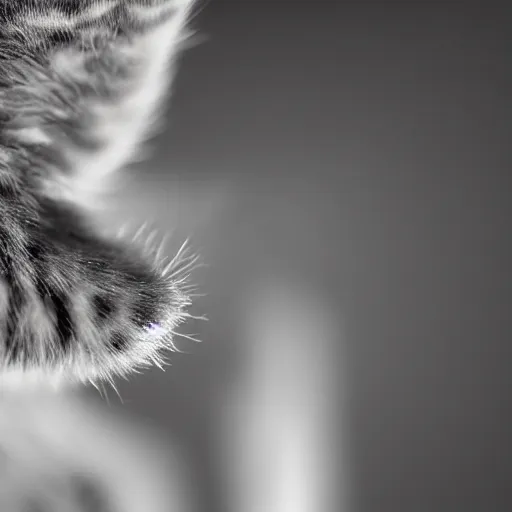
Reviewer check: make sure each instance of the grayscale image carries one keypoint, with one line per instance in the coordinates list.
(254, 256)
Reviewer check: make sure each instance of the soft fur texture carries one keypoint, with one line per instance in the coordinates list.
(80, 81)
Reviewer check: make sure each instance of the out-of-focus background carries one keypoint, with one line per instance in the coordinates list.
(344, 170)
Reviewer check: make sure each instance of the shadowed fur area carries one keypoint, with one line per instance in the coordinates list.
(80, 83)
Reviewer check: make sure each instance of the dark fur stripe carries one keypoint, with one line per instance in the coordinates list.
(58, 304)
(118, 341)
(103, 306)
(65, 325)
(16, 301)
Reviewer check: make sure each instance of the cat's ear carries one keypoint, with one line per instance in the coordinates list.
(81, 88)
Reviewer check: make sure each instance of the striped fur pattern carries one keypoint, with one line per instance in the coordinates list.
(80, 82)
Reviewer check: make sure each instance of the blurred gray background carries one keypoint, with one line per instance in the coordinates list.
(344, 170)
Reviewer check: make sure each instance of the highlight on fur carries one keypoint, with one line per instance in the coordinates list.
(80, 84)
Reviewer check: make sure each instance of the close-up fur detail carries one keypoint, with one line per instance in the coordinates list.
(80, 82)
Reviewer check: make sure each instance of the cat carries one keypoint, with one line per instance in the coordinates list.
(81, 83)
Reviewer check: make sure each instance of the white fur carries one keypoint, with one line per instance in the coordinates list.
(124, 124)
(33, 135)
